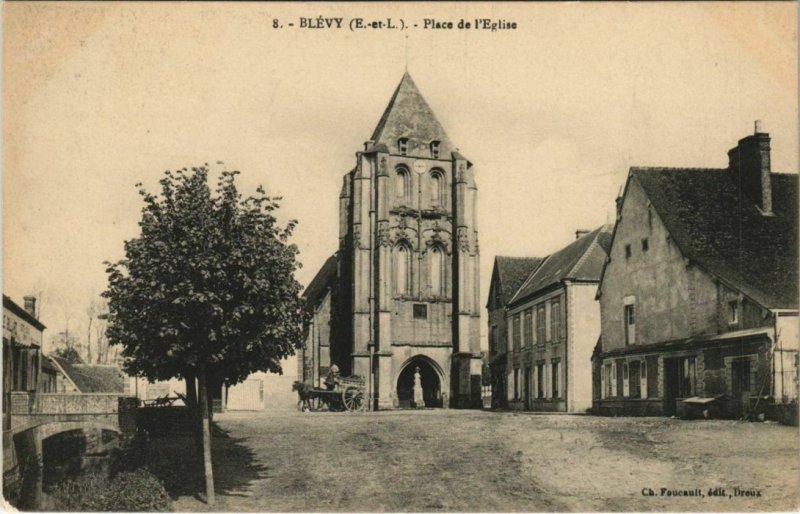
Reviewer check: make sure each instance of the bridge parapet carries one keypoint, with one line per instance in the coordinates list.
(31, 409)
(23, 403)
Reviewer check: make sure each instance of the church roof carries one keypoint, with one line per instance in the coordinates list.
(582, 260)
(409, 115)
(706, 217)
(322, 281)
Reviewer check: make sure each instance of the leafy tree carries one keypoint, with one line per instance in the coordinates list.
(207, 291)
(96, 341)
(69, 354)
(66, 345)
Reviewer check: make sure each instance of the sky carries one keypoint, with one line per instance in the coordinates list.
(98, 97)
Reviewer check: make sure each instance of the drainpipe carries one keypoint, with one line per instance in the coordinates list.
(318, 357)
(775, 341)
(567, 295)
(373, 200)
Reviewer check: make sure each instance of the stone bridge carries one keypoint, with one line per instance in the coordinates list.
(98, 419)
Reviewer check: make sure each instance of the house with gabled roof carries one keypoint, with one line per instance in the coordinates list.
(553, 322)
(543, 324)
(72, 377)
(699, 296)
(508, 274)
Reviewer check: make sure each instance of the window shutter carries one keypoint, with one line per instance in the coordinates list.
(613, 379)
(535, 387)
(559, 383)
(548, 393)
(510, 390)
(626, 385)
(602, 381)
(643, 379)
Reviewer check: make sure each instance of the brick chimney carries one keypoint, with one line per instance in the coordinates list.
(580, 233)
(30, 305)
(749, 163)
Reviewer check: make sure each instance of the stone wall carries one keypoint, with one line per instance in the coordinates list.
(671, 301)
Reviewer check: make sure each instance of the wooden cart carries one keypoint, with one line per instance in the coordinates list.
(348, 395)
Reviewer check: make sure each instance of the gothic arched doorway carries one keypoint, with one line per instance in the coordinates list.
(431, 384)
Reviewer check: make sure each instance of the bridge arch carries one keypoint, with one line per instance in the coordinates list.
(62, 444)
(50, 429)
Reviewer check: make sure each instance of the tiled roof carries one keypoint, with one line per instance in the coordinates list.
(92, 378)
(724, 232)
(408, 115)
(11, 305)
(582, 259)
(319, 285)
(512, 273)
(48, 365)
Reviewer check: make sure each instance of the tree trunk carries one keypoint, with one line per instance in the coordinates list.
(213, 387)
(194, 408)
(89, 342)
(191, 391)
(206, 436)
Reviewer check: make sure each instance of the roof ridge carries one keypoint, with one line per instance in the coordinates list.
(517, 257)
(586, 252)
(674, 168)
(55, 359)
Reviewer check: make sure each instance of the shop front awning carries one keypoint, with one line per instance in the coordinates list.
(705, 341)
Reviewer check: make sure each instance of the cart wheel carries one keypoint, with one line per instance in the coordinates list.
(353, 398)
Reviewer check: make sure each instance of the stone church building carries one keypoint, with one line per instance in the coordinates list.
(401, 293)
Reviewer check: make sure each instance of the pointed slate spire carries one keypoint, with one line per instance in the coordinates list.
(408, 115)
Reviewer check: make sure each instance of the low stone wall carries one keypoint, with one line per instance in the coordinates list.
(91, 403)
(543, 405)
(23, 403)
(628, 407)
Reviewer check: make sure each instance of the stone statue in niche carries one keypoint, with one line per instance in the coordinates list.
(419, 399)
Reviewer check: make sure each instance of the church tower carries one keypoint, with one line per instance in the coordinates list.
(406, 298)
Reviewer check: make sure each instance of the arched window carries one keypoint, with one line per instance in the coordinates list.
(402, 183)
(437, 188)
(402, 262)
(437, 271)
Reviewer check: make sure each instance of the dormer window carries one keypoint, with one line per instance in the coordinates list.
(733, 312)
(402, 145)
(435, 149)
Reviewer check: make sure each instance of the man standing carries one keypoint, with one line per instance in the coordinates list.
(332, 378)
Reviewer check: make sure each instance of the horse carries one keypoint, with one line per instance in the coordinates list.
(303, 395)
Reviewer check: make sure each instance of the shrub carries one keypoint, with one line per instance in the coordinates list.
(12, 487)
(128, 491)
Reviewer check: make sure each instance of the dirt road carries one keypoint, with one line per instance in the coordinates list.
(447, 460)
